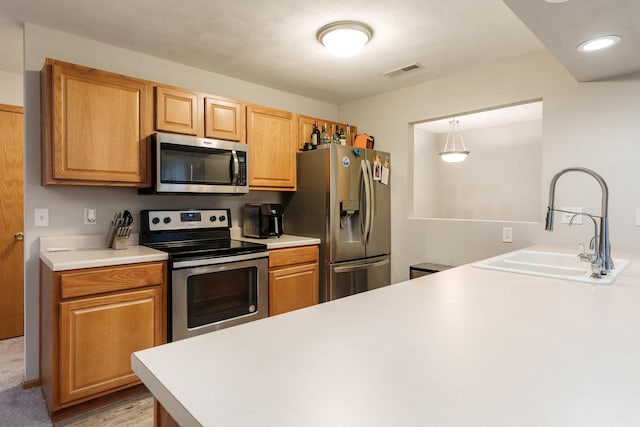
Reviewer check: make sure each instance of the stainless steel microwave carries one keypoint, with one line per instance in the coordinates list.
(189, 164)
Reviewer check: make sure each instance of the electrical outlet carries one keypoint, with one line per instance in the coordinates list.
(41, 217)
(566, 217)
(507, 235)
(90, 216)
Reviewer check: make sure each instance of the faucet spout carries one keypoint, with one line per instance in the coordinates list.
(604, 246)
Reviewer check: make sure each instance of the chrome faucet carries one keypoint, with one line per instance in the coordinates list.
(603, 247)
(593, 258)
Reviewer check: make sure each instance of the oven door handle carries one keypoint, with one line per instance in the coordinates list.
(202, 262)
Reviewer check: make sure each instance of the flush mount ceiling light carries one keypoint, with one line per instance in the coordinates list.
(344, 38)
(598, 43)
(453, 155)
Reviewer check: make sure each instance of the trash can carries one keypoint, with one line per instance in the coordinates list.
(425, 268)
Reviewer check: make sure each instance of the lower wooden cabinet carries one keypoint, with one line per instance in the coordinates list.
(91, 321)
(293, 279)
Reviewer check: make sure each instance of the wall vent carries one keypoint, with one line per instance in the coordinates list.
(403, 70)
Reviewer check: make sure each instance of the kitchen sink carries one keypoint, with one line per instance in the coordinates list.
(550, 264)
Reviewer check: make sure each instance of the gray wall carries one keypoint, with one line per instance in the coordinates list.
(66, 204)
(11, 88)
(594, 125)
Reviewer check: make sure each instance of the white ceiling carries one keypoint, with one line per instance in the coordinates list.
(274, 43)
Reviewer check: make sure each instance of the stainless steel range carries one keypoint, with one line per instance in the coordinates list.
(214, 281)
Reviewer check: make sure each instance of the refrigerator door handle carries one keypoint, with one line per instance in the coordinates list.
(371, 201)
(348, 269)
(366, 176)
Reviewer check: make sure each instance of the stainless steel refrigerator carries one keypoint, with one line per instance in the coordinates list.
(339, 201)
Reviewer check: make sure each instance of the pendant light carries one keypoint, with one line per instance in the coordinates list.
(344, 38)
(453, 155)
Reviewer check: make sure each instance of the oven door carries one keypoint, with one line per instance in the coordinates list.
(230, 291)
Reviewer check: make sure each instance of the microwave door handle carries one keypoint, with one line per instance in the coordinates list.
(235, 169)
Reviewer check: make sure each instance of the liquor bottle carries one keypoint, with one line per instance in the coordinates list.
(336, 136)
(324, 138)
(349, 142)
(315, 135)
(342, 137)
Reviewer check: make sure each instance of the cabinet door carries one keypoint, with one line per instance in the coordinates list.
(292, 288)
(97, 337)
(224, 119)
(271, 135)
(95, 127)
(176, 111)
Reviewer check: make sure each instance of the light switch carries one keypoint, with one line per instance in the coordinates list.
(41, 217)
(638, 216)
(507, 235)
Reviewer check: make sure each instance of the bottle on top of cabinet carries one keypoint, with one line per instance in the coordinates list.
(315, 135)
(324, 138)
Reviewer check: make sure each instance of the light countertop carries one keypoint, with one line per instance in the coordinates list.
(86, 251)
(462, 347)
(284, 241)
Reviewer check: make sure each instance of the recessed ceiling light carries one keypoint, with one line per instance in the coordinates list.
(556, 1)
(344, 38)
(598, 43)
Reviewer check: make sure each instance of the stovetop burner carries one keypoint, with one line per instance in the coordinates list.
(211, 248)
(189, 234)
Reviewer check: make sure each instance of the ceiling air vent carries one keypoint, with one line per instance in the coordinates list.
(403, 70)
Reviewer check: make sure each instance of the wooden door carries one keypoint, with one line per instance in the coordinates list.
(271, 136)
(224, 119)
(97, 337)
(11, 223)
(291, 288)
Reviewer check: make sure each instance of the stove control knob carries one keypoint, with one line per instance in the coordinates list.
(155, 220)
(222, 218)
(166, 220)
(212, 218)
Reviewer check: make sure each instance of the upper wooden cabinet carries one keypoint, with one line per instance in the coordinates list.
(224, 119)
(193, 113)
(271, 135)
(95, 126)
(305, 127)
(176, 111)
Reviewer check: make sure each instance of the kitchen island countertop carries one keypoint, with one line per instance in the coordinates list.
(462, 347)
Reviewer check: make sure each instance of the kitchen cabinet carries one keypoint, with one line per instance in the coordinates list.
(95, 126)
(271, 136)
(293, 278)
(193, 113)
(224, 119)
(176, 110)
(91, 320)
(305, 127)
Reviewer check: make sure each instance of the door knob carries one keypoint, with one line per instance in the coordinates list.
(19, 236)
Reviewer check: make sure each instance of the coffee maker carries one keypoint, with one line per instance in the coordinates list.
(263, 220)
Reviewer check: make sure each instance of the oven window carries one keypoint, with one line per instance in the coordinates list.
(181, 164)
(223, 295)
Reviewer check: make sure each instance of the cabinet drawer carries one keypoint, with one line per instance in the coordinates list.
(293, 256)
(109, 279)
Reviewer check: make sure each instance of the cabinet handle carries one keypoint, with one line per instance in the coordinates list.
(19, 236)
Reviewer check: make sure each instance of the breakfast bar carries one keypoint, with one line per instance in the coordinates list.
(465, 346)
